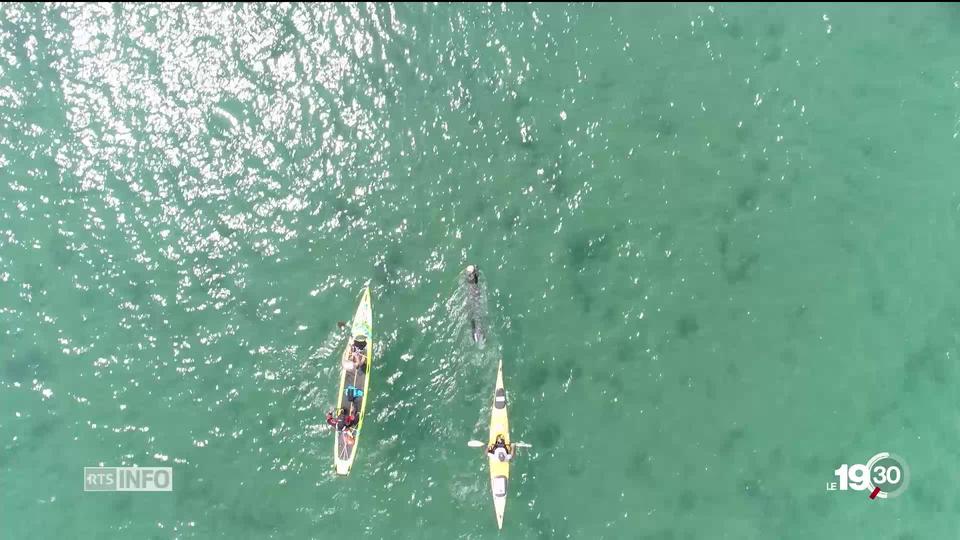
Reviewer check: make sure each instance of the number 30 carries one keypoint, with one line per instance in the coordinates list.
(889, 475)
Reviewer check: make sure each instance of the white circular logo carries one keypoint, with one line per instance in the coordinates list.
(889, 474)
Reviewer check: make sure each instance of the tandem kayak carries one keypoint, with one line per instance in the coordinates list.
(354, 384)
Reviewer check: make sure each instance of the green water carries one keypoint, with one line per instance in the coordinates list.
(719, 245)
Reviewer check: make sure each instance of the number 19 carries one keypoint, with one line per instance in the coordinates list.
(855, 477)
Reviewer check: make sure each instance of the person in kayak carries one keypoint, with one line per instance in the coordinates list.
(358, 353)
(344, 421)
(349, 437)
(500, 449)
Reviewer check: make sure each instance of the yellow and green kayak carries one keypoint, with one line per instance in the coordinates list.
(499, 426)
(357, 379)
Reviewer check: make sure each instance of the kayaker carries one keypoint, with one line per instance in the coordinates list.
(358, 352)
(473, 275)
(500, 449)
(343, 421)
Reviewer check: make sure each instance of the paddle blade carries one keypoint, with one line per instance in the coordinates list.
(476, 444)
(522, 445)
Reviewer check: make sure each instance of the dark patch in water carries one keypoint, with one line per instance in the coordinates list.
(752, 488)
(121, 503)
(569, 369)
(259, 517)
(732, 439)
(608, 380)
(687, 501)
(520, 102)
(926, 363)
(576, 467)
(535, 378)
(628, 351)
(546, 530)
(775, 30)
(878, 303)
(734, 30)
(743, 133)
(656, 396)
(24, 368)
(815, 465)
(476, 208)
(875, 417)
(773, 54)
(583, 295)
(733, 370)
(666, 128)
(710, 390)
(686, 326)
(927, 499)
(747, 198)
(775, 460)
(761, 165)
(547, 435)
(665, 534)
(952, 16)
(740, 272)
(62, 255)
(554, 169)
(819, 505)
(585, 247)
(387, 272)
(606, 81)
(664, 234)
(43, 427)
(640, 466)
(138, 290)
(789, 358)
(509, 219)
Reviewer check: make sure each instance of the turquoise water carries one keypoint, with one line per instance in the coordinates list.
(718, 244)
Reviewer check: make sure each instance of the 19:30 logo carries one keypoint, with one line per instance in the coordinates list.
(885, 476)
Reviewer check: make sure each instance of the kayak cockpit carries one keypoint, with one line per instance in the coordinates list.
(499, 486)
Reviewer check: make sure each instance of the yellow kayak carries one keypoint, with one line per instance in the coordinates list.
(356, 377)
(499, 426)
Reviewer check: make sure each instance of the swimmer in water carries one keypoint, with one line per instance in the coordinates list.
(473, 275)
(473, 281)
